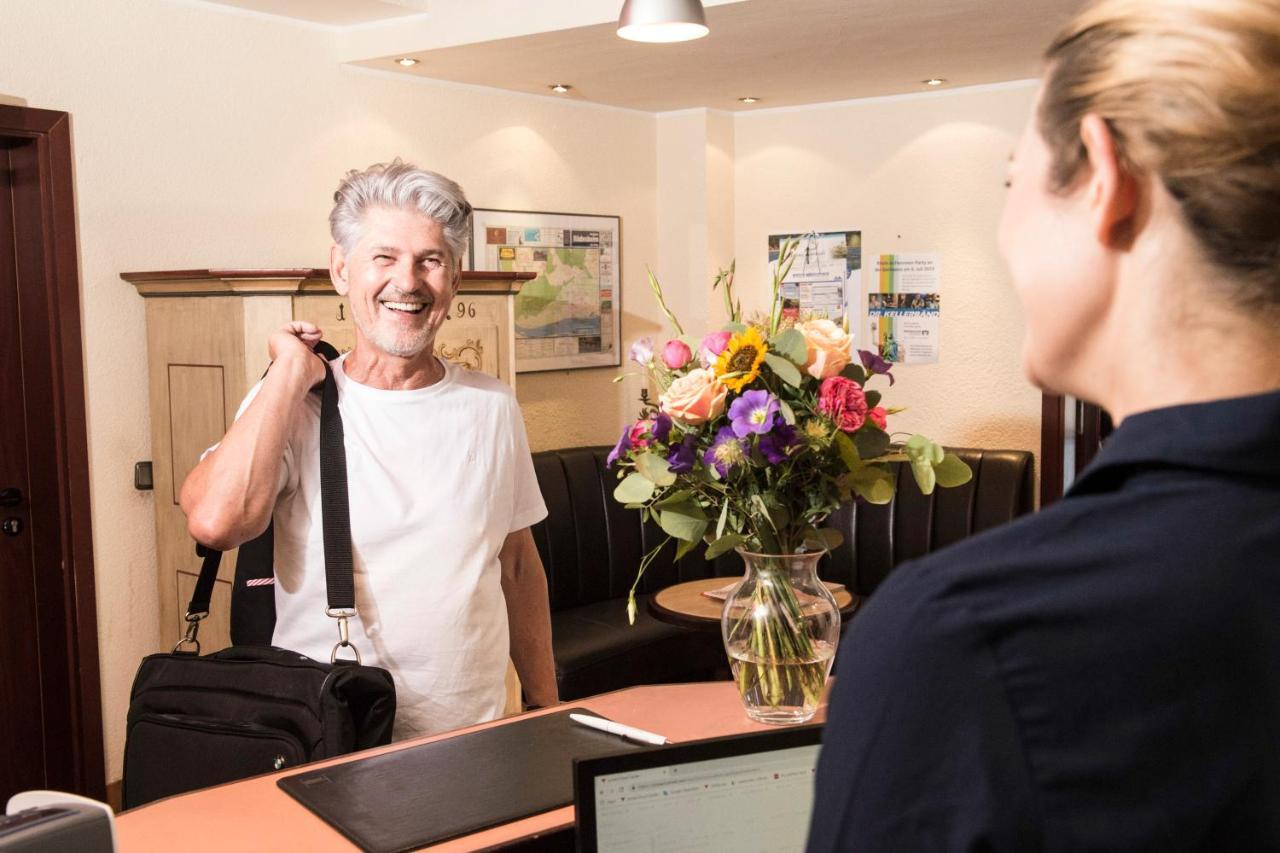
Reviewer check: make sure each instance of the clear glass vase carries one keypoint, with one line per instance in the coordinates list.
(780, 626)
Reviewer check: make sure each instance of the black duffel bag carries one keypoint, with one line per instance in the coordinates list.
(196, 721)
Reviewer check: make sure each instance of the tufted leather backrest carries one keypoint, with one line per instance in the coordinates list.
(591, 545)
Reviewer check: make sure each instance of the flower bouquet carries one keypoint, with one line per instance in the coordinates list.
(762, 429)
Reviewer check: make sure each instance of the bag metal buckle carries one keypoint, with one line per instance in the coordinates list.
(344, 637)
(193, 631)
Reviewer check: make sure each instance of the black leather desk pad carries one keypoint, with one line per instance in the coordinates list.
(430, 793)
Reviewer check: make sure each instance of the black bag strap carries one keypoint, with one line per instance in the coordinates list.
(335, 525)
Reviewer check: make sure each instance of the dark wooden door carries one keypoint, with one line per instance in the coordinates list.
(50, 712)
(22, 766)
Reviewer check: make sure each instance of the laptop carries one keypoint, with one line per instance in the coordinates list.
(743, 792)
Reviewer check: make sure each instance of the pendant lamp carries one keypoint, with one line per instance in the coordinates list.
(662, 20)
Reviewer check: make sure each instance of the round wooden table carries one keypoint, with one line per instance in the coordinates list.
(684, 604)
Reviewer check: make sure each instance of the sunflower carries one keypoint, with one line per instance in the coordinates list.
(739, 364)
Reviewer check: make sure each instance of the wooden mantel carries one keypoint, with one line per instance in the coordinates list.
(300, 280)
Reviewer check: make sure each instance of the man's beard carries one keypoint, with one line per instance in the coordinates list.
(403, 344)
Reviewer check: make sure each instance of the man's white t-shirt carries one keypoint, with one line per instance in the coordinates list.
(437, 478)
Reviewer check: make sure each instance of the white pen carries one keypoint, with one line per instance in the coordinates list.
(637, 735)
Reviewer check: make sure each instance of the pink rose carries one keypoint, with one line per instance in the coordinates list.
(694, 398)
(879, 417)
(830, 348)
(843, 401)
(676, 354)
(713, 343)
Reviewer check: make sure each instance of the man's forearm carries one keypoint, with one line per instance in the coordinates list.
(524, 585)
(229, 495)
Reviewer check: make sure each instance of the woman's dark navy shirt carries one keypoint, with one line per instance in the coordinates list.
(1103, 675)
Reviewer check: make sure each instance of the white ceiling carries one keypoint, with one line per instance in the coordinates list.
(785, 52)
(340, 13)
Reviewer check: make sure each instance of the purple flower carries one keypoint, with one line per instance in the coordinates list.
(754, 411)
(875, 364)
(661, 427)
(726, 452)
(642, 352)
(774, 445)
(682, 456)
(624, 444)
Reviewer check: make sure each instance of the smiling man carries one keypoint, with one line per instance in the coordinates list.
(441, 483)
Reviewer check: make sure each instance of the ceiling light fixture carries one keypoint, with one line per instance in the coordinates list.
(406, 62)
(662, 20)
(933, 81)
(748, 100)
(561, 88)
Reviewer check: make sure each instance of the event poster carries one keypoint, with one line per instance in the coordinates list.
(825, 276)
(568, 315)
(903, 307)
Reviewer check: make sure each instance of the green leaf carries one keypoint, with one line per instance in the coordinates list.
(784, 369)
(854, 372)
(873, 399)
(655, 468)
(791, 345)
(634, 489)
(848, 451)
(736, 328)
(871, 442)
(677, 497)
(724, 517)
(685, 547)
(724, 544)
(686, 521)
(952, 472)
(873, 484)
(924, 454)
(788, 414)
(827, 538)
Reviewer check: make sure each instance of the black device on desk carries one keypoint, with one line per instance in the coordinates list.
(742, 792)
(435, 791)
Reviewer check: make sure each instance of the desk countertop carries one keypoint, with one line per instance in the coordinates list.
(254, 814)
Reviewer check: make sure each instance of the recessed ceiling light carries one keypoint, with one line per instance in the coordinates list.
(560, 88)
(934, 81)
(406, 62)
(748, 100)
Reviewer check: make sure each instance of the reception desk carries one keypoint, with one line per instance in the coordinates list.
(255, 814)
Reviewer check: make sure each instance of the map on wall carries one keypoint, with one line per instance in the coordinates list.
(568, 315)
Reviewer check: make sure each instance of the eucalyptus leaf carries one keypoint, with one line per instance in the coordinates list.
(736, 328)
(784, 369)
(952, 472)
(655, 468)
(926, 479)
(634, 489)
(685, 547)
(677, 497)
(848, 451)
(873, 399)
(724, 517)
(788, 414)
(686, 521)
(826, 538)
(873, 484)
(791, 345)
(724, 544)
(871, 442)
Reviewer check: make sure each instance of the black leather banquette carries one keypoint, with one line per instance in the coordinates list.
(591, 545)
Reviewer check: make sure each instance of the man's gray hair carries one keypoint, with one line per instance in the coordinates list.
(398, 185)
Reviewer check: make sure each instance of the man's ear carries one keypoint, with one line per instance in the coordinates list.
(1111, 191)
(338, 269)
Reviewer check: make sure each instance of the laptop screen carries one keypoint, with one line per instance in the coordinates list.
(748, 792)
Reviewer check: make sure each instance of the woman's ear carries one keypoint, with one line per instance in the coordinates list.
(1111, 191)
(338, 269)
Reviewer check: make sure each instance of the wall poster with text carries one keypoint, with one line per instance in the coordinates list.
(568, 315)
(825, 276)
(904, 308)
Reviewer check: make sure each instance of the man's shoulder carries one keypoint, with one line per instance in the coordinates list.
(468, 381)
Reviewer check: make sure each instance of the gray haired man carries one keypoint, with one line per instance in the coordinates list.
(443, 493)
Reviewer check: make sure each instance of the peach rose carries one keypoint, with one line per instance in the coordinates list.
(694, 398)
(830, 348)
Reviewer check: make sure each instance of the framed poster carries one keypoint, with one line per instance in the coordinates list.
(568, 315)
(825, 276)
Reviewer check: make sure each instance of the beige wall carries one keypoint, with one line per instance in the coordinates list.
(211, 138)
(207, 138)
(915, 173)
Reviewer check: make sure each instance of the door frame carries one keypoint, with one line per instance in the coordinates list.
(49, 302)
